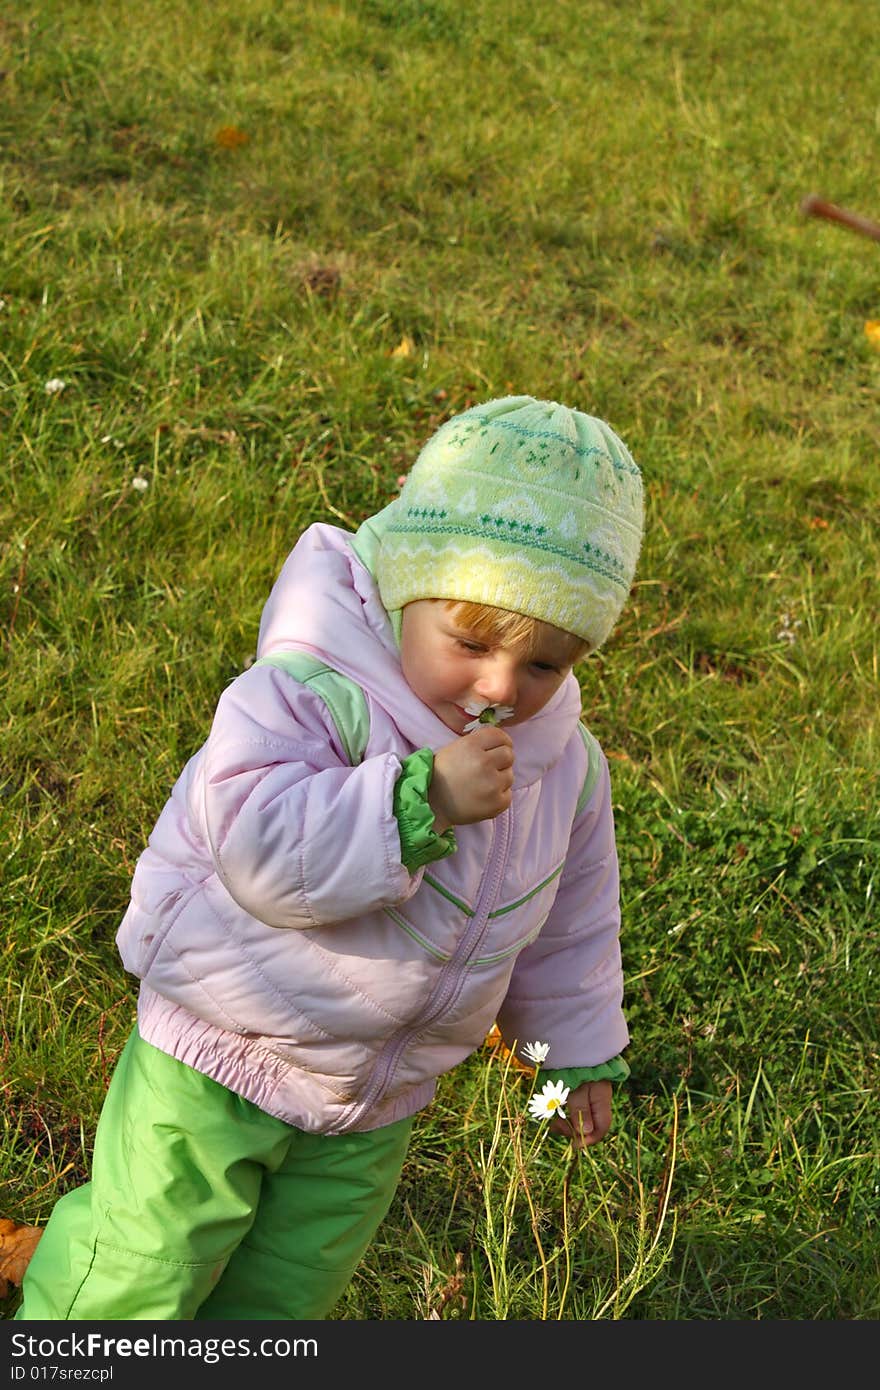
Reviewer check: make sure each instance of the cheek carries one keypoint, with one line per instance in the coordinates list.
(452, 674)
(538, 693)
(416, 669)
(433, 674)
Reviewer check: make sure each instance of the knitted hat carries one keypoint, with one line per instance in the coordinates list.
(519, 504)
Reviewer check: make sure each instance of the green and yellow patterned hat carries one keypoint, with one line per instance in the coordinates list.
(520, 504)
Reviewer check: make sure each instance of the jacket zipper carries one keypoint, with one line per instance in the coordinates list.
(452, 977)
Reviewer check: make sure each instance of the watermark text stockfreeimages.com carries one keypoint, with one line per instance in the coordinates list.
(49, 1358)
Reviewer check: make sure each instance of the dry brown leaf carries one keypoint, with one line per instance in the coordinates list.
(17, 1245)
(230, 137)
(493, 1040)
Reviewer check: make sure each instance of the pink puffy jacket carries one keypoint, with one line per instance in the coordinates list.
(283, 947)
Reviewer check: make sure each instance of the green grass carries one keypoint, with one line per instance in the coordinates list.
(589, 202)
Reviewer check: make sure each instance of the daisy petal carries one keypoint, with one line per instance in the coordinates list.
(550, 1102)
(485, 714)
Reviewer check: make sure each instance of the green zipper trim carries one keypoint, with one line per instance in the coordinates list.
(500, 912)
(344, 699)
(456, 902)
(446, 955)
(509, 950)
(411, 932)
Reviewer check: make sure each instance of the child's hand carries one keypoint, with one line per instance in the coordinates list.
(588, 1109)
(472, 779)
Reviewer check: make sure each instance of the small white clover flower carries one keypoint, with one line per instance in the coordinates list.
(486, 714)
(550, 1102)
(54, 385)
(788, 627)
(536, 1052)
(140, 484)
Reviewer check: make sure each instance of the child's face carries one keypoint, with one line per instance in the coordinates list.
(447, 667)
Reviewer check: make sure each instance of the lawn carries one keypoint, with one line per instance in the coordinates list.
(250, 259)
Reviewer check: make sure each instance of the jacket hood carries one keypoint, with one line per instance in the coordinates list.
(325, 601)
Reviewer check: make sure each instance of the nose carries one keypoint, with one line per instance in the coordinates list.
(497, 681)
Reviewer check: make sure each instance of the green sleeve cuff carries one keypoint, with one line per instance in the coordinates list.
(419, 842)
(615, 1070)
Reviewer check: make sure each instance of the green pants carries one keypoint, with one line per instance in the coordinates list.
(203, 1206)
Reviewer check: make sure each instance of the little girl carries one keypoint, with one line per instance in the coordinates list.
(357, 875)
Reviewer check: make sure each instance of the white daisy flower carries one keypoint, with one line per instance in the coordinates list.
(536, 1052)
(486, 714)
(550, 1102)
(140, 484)
(54, 385)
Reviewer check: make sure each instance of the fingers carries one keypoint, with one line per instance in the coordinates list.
(472, 778)
(502, 758)
(583, 1131)
(589, 1114)
(490, 736)
(492, 743)
(579, 1128)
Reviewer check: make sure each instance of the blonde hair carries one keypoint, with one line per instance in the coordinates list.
(524, 634)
